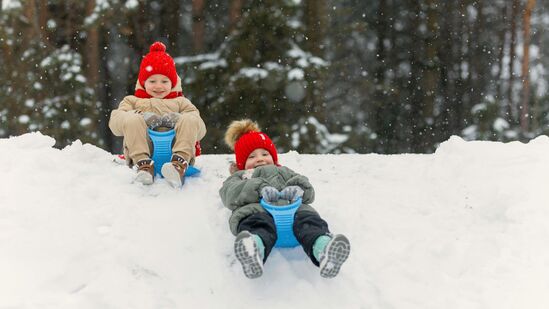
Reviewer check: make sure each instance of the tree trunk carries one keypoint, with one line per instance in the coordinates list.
(431, 76)
(69, 28)
(416, 91)
(512, 43)
(459, 114)
(315, 23)
(198, 26)
(92, 50)
(501, 53)
(381, 115)
(444, 121)
(170, 24)
(30, 15)
(469, 55)
(525, 66)
(139, 22)
(234, 13)
(43, 16)
(478, 72)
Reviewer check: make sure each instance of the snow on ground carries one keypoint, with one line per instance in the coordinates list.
(465, 227)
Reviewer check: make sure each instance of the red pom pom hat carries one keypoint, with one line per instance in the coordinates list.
(249, 142)
(157, 61)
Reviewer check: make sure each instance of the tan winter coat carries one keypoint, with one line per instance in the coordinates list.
(126, 122)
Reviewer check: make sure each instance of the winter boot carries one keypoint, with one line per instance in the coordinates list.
(249, 250)
(174, 171)
(331, 252)
(145, 171)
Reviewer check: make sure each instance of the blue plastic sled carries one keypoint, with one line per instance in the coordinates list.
(162, 151)
(284, 220)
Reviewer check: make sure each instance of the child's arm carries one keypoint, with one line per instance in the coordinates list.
(302, 182)
(237, 192)
(119, 116)
(185, 106)
(189, 111)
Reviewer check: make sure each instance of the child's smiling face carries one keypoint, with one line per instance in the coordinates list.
(158, 86)
(258, 157)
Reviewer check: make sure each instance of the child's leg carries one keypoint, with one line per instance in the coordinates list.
(261, 224)
(254, 241)
(308, 226)
(327, 251)
(248, 250)
(136, 138)
(189, 129)
(332, 252)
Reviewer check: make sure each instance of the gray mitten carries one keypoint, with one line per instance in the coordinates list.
(169, 120)
(152, 120)
(291, 193)
(269, 194)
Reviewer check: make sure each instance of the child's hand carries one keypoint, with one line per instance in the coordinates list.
(170, 119)
(233, 168)
(269, 194)
(152, 120)
(291, 193)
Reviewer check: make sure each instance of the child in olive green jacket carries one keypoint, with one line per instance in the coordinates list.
(257, 174)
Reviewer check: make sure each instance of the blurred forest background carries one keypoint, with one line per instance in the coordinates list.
(320, 76)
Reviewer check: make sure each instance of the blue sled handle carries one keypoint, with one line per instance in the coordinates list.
(284, 220)
(162, 151)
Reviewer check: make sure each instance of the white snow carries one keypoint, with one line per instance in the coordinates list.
(85, 121)
(500, 125)
(29, 102)
(132, 4)
(23, 119)
(252, 73)
(465, 227)
(11, 4)
(209, 61)
(296, 74)
(51, 24)
(328, 141)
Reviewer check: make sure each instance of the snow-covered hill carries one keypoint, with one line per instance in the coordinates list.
(466, 227)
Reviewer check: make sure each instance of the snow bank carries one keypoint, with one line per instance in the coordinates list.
(462, 228)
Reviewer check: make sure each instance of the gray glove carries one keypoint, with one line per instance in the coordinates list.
(269, 194)
(169, 120)
(291, 193)
(152, 120)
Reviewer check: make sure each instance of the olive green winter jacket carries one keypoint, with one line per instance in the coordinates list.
(240, 193)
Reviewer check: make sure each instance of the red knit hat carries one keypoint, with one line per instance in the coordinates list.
(244, 136)
(157, 61)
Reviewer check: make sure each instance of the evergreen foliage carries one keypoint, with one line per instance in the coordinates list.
(44, 87)
(385, 76)
(260, 72)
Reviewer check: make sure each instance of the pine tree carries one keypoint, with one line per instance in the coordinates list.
(45, 88)
(260, 72)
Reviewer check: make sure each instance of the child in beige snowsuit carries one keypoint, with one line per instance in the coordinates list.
(158, 102)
